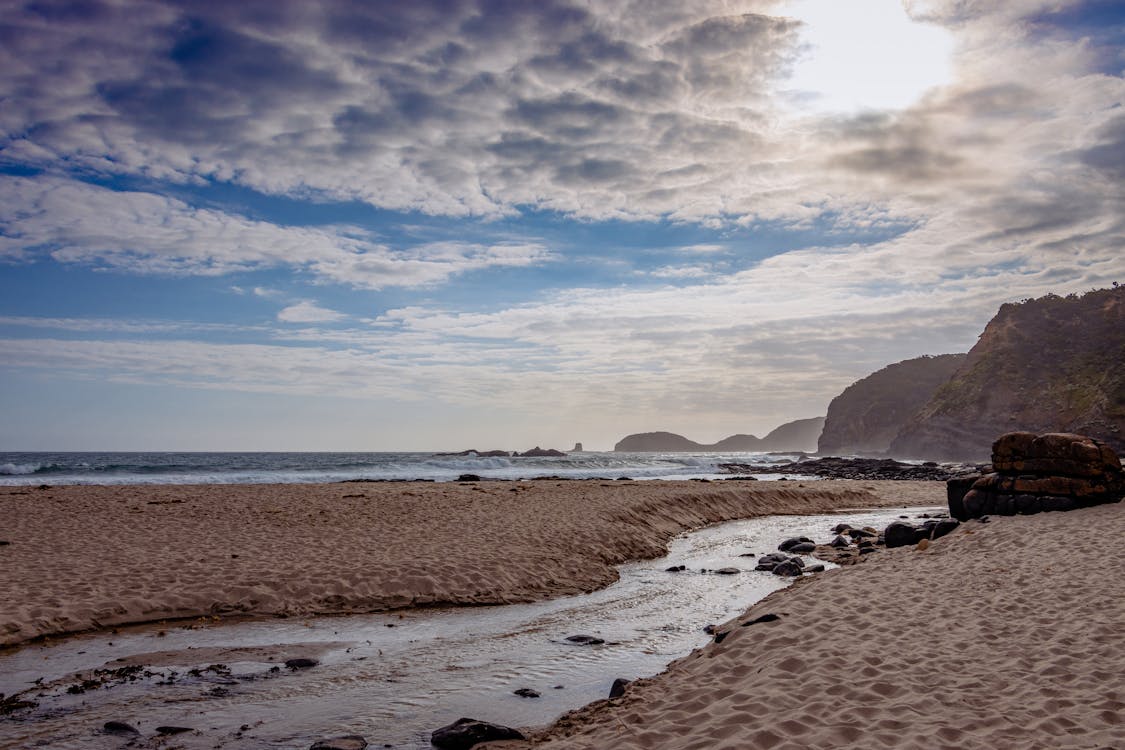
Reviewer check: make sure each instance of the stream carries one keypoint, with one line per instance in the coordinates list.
(393, 678)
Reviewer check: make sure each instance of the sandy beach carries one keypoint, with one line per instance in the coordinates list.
(1004, 634)
(88, 557)
(1001, 635)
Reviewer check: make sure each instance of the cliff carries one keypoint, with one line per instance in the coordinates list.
(1053, 364)
(799, 435)
(869, 414)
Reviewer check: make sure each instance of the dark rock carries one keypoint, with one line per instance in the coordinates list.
(862, 534)
(345, 742)
(466, 733)
(867, 550)
(814, 568)
(900, 534)
(955, 490)
(788, 568)
(526, 693)
(119, 727)
(709, 629)
(618, 688)
(585, 640)
(803, 548)
(720, 637)
(301, 663)
(4, 543)
(727, 571)
(468, 478)
(789, 544)
(839, 542)
(538, 452)
(675, 569)
(943, 527)
(768, 617)
(841, 528)
(169, 731)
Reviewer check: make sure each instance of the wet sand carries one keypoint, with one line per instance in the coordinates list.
(89, 557)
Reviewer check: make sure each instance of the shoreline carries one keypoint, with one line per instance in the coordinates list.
(995, 636)
(85, 557)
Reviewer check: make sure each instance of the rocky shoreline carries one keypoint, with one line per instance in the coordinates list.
(832, 467)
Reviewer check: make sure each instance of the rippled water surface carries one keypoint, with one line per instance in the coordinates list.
(394, 678)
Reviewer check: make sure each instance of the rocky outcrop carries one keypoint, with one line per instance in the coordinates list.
(867, 416)
(1037, 473)
(538, 452)
(466, 733)
(798, 435)
(856, 468)
(1052, 364)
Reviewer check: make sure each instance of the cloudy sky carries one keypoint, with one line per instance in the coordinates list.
(445, 224)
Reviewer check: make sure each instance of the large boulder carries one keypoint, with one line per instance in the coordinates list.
(1038, 473)
(466, 733)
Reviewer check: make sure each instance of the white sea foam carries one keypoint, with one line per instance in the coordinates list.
(19, 469)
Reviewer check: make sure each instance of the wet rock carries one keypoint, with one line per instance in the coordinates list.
(585, 640)
(345, 742)
(862, 533)
(789, 544)
(618, 688)
(814, 569)
(943, 527)
(841, 528)
(788, 568)
(839, 542)
(169, 731)
(301, 663)
(900, 534)
(803, 548)
(120, 728)
(727, 571)
(720, 637)
(675, 569)
(526, 693)
(466, 733)
(868, 550)
(468, 478)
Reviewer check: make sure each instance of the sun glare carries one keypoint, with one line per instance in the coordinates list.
(865, 54)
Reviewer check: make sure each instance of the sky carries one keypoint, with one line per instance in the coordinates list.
(452, 224)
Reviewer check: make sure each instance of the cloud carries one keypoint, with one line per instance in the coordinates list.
(138, 232)
(307, 311)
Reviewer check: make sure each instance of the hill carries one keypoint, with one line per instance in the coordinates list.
(869, 414)
(1053, 364)
(799, 435)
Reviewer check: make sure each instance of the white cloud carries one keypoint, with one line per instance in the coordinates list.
(307, 311)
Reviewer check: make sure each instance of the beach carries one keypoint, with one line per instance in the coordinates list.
(1002, 634)
(89, 557)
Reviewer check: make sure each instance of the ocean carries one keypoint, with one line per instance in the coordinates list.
(289, 468)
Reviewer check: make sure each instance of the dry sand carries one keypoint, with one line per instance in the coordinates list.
(1009, 634)
(88, 557)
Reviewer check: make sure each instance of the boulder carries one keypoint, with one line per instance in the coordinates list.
(466, 733)
(618, 688)
(803, 548)
(585, 640)
(789, 544)
(119, 728)
(526, 693)
(839, 542)
(900, 534)
(788, 568)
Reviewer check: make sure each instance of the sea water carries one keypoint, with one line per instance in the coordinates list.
(287, 468)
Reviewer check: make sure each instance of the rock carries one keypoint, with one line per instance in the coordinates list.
(955, 490)
(867, 550)
(862, 533)
(468, 478)
(768, 617)
(119, 727)
(169, 731)
(803, 548)
(841, 528)
(538, 452)
(900, 534)
(788, 568)
(815, 568)
(839, 542)
(618, 688)
(466, 733)
(675, 569)
(923, 545)
(943, 527)
(577, 448)
(526, 693)
(585, 640)
(720, 637)
(727, 571)
(345, 742)
(301, 663)
(789, 544)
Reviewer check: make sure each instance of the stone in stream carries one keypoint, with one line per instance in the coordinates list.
(727, 571)
(585, 640)
(301, 663)
(788, 568)
(169, 731)
(119, 727)
(466, 733)
(346, 742)
(839, 542)
(618, 688)
(803, 548)
(900, 534)
(526, 693)
(675, 569)
(789, 544)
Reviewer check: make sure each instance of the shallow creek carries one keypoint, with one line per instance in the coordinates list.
(393, 678)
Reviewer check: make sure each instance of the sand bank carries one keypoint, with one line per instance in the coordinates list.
(1001, 635)
(100, 556)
